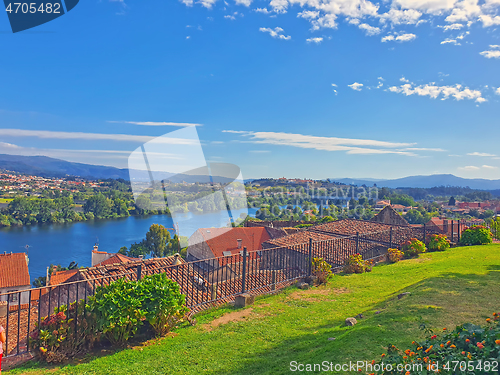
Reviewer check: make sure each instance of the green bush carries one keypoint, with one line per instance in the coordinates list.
(437, 242)
(476, 235)
(118, 309)
(412, 248)
(356, 264)
(468, 349)
(163, 303)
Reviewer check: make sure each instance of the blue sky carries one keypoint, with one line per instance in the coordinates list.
(310, 88)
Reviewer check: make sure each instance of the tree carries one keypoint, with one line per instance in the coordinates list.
(451, 202)
(99, 205)
(157, 239)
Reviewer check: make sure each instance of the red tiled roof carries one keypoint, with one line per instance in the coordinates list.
(60, 277)
(349, 227)
(222, 239)
(14, 270)
(117, 258)
(299, 238)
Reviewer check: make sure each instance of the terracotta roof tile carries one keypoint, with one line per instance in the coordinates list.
(14, 270)
(117, 258)
(60, 277)
(225, 239)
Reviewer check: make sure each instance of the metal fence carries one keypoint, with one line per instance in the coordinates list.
(206, 282)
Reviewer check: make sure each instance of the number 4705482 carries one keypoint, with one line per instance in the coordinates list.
(33, 8)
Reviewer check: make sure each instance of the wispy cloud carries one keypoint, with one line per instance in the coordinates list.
(314, 40)
(154, 123)
(46, 134)
(480, 154)
(474, 168)
(277, 32)
(399, 38)
(492, 54)
(350, 146)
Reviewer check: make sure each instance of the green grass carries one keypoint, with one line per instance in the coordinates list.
(449, 288)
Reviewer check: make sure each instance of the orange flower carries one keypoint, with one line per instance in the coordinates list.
(407, 373)
(407, 351)
(448, 343)
(441, 345)
(497, 342)
(428, 349)
(444, 329)
(433, 337)
(404, 357)
(488, 320)
(467, 341)
(463, 353)
(452, 346)
(413, 353)
(383, 355)
(373, 362)
(480, 345)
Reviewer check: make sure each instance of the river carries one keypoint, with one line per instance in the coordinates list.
(64, 243)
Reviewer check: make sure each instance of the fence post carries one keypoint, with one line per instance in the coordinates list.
(213, 294)
(243, 278)
(424, 232)
(273, 280)
(357, 242)
(390, 239)
(310, 256)
(452, 231)
(139, 272)
(458, 239)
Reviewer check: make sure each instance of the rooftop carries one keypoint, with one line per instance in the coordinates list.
(14, 270)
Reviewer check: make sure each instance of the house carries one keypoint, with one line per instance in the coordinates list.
(207, 243)
(381, 204)
(100, 258)
(388, 215)
(14, 277)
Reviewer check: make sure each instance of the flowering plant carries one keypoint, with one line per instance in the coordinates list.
(412, 248)
(356, 264)
(321, 269)
(468, 349)
(476, 235)
(438, 242)
(394, 255)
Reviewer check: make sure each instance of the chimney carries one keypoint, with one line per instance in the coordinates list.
(239, 241)
(47, 278)
(96, 247)
(141, 257)
(177, 261)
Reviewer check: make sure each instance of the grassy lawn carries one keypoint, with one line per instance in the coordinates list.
(457, 286)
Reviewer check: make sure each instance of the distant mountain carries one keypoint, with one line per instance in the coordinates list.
(426, 182)
(50, 167)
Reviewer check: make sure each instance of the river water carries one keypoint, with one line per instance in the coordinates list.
(64, 243)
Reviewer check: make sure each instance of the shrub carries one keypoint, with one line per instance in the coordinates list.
(412, 248)
(476, 235)
(118, 309)
(394, 255)
(321, 269)
(164, 304)
(55, 340)
(454, 351)
(356, 264)
(437, 242)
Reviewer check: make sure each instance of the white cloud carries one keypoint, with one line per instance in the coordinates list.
(356, 86)
(474, 168)
(454, 26)
(308, 14)
(334, 85)
(46, 134)
(207, 3)
(424, 149)
(398, 16)
(403, 79)
(230, 17)
(434, 91)
(276, 33)
(450, 41)
(491, 54)
(152, 123)
(351, 146)
(262, 10)
(494, 46)
(480, 154)
(370, 30)
(246, 3)
(314, 40)
(279, 6)
(488, 20)
(497, 91)
(188, 3)
(399, 38)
